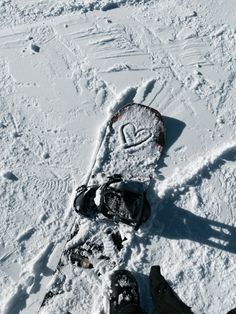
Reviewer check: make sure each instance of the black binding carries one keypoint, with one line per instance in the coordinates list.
(135, 205)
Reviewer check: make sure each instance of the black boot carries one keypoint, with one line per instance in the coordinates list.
(124, 298)
(165, 301)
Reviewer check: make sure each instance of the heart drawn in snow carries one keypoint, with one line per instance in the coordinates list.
(133, 137)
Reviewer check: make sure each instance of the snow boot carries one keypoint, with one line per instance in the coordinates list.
(165, 301)
(124, 297)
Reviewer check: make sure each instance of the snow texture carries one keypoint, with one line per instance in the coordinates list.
(65, 66)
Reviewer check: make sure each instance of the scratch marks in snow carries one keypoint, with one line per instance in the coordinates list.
(105, 45)
(189, 52)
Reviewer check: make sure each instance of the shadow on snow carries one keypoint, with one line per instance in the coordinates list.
(179, 223)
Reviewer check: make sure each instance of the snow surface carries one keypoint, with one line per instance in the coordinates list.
(64, 67)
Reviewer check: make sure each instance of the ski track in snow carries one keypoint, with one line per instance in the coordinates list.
(64, 68)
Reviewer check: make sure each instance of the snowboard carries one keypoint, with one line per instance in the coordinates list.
(132, 143)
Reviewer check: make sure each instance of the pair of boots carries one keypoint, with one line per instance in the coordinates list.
(124, 298)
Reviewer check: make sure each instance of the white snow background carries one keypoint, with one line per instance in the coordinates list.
(64, 67)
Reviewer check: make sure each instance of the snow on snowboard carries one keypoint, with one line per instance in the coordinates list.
(109, 206)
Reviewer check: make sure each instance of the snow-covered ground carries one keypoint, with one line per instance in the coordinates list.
(64, 67)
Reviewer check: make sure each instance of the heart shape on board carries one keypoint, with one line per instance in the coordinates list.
(132, 136)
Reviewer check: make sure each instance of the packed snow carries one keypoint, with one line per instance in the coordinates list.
(65, 67)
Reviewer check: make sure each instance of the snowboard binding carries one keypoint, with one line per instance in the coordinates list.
(119, 204)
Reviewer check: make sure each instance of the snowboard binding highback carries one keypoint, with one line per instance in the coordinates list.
(119, 204)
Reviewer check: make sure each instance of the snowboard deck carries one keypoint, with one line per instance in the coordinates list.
(132, 144)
